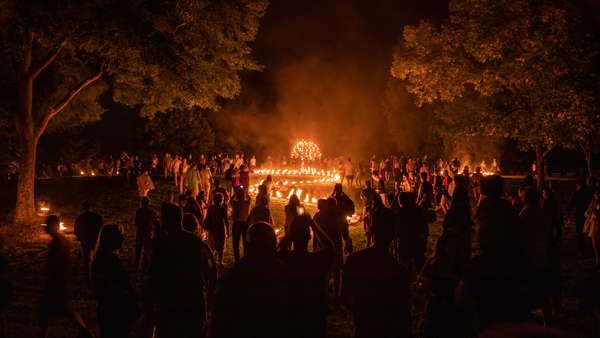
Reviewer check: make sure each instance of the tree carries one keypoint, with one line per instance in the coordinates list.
(158, 55)
(179, 132)
(507, 68)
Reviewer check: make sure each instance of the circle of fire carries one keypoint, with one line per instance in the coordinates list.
(306, 151)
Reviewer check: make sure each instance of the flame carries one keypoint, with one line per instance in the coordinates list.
(278, 194)
(307, 182)
(277, 172)
(62, 227)
(306, 200)
(285, 171)
(93, 174)
(285, 183)
(45, 209)
(261, 182)
(314, 200)
(291, 193)
(299, 193)
(82, 173)
(294, 182)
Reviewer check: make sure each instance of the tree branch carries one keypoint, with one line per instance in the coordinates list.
(563, 139)
(510, 112)
(51, 111)
(50, 57)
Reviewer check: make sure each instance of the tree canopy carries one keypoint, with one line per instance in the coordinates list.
(512, 68)
(58, 56)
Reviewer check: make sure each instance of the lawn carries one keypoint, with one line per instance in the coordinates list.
(25, 250)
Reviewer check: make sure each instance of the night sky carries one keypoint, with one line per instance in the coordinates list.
(326, 63)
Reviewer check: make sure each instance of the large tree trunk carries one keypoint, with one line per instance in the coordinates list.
(25, 208)
(540, 156)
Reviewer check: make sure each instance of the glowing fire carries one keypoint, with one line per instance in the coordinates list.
(306, 200)
(62, 227)
(278, 194)
(306, 151)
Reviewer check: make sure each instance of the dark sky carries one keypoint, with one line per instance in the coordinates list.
(326, 68)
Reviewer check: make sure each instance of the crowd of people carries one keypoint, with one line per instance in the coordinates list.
(278, 287)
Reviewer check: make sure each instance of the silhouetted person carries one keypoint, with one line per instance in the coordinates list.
(217, 224)
(143, 231)
(458, 217)
(308, 273)
(55, 296)
(87, 228)
(540, 243)
(175, 278)
(425, 195)
(240, 209)
(118, 304)
(261, 212)
(492, 281)
(367, 195)
(592, 225)
(220, 189)
(335, 225)
(376, 287)
(438, 280)
(193, 207)
(344, 204)
(580, 200)
(412, 232)
(252, 295)
(209, 264)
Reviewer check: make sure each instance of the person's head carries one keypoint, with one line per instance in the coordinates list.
(528, 180)
(182, 199)
(269, 178)
(580, 184)
(188, 193)
(171, 216)
(52, 224)
(382, 226)
(322, 204)
(261, 241)
(217, 183)
(264, 201)
(190, 202)
(232, 166)
(390, 198)
(367, 184)
(169, 196)
(240, 194)
(110, 239)
(144, 201)
(294, 201)
(193, 165)
(447, 245)
(331, 203)
(532, 197)
(218, 199)
(491, 186)
(478, 170)
(300, 231)
(190, 222)
(445, 173)
(406, 199)
(349, 159)
(424, 176)
(262, 189)
(87, 206)
(459, 180)
(243, 167)
(337, 188)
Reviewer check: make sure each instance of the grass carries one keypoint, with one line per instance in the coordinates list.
(25, 250)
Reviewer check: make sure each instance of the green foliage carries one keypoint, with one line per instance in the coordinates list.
(513, 68)
(227, 145)
(78, 151)
(177, 132)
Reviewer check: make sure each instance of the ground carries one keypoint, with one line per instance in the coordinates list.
(25, 249)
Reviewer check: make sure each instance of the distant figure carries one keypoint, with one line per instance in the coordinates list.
(292, 210)
(344, 204)
(217, 224)
(251, 297)
(425, 195)
(175, 279)
(580, 201)
(376, 287)
(206, 178)
(58, 281)
(143, 219)
(262, 192)
(367, 196)
(118, 303)
(167, 160)
(240, 209)
(144, 183)
(222, 191)
(592, 224)
(349, 171)
(261, 213)
(87, 228)
(308, 275)
(124, 171)
(193, 179)
(175, 169)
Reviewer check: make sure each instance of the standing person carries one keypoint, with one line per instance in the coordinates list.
(154, 164)
(412, 233)
(87, 228)
(206, 179)
(110, 166)
(193, 179)
(308, 273)
(240, 210)
(222, 191)
(349, 171)
(175, 169)
(125, 168)
(252, 296)
(335, 225)
(425, 195)
(476, 178)
(376, 287)
(175, 281)
(580, 201)
(143, 220)
(253, 163)
(456, 164)
(592, 225)
(166, 163)
(367, 196)
(118, 305)
(144, 183)
(183, 168)
(379, 186)
(261, 212)
(58, 280)
(495, 168)
(217, 224)
(359, 173)
(292, 210)
(382, 170)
